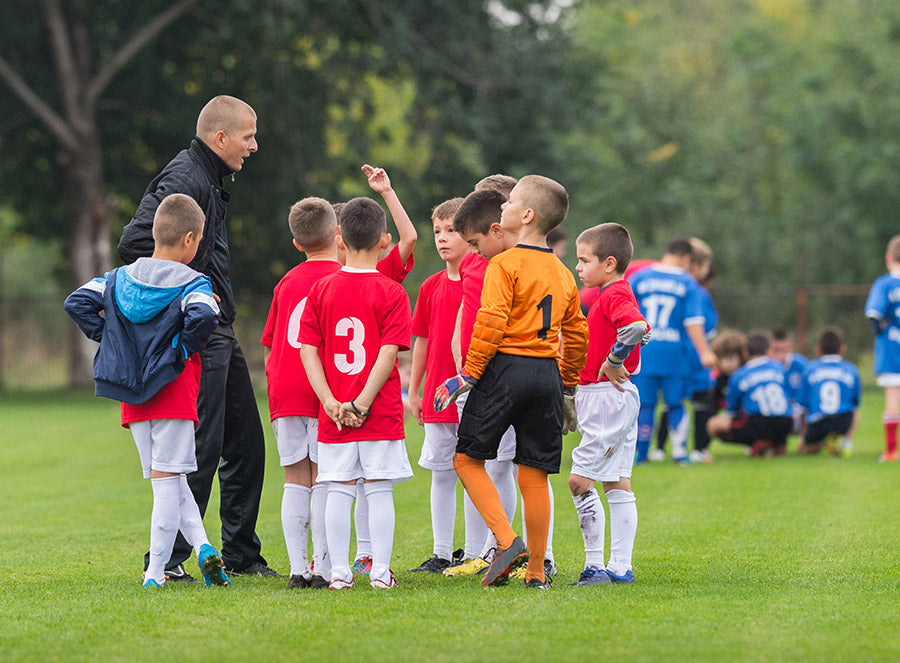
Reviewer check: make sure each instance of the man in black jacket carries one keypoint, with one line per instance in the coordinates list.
(229, 435)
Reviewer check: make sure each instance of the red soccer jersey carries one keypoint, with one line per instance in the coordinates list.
(177, 400)
(433, 319)
(289, 392)
(392, 266)
(349, 316)
(614, 307)
(471, 272)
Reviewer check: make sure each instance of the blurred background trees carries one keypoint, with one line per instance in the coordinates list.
(767, 127)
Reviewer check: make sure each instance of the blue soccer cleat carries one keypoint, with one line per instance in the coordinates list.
(210, 564)
(150, 583)
(593, 575)
(626, 579)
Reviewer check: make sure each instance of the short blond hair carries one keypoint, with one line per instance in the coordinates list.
(177, 215)
(223, 113)
(313, 223)
(701, 253)
(547, 198)
(497, 182)
(729, 342)
(446, 209)
(893, 248)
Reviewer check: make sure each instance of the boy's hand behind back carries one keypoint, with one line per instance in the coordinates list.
(378, 179)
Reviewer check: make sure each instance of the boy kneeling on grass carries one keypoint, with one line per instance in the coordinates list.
(151, 318)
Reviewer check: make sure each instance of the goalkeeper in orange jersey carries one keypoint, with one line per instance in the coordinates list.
(517, 376)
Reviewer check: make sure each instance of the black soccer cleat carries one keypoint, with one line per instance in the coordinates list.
(433, 564)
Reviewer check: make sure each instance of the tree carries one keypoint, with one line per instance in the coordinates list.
(84, 64)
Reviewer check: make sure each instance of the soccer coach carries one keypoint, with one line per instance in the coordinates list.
(229, 428)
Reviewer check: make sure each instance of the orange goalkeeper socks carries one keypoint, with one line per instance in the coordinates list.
(484, 496)
(536, 504)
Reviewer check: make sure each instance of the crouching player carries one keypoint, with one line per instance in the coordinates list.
(517, 376)
(158, 313)
(830, 394)
(608, 405)
(353, 325)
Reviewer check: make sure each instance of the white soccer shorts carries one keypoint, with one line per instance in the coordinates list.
(507, 448)
(607, 421)
(439, 446)
(296, 438)
(374, 460)
(165, 445)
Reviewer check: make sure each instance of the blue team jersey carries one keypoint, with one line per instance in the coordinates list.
(883, 304)
(700, 378)
(793, 373)
(669, 299)
(830, 386)
(759, 387)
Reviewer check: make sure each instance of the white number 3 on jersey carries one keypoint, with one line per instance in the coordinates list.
(353, 362)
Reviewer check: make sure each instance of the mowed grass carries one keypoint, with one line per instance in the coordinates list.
(742, 559)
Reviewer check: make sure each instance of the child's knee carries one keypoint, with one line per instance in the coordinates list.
(579, 484)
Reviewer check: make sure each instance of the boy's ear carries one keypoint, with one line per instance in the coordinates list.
(610, 264)
(297, 245)
(340, 242)
(385, 241)
(496, 229)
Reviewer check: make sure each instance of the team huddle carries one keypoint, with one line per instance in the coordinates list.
(508, 355)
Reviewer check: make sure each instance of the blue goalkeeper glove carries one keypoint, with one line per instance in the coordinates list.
(452, 389)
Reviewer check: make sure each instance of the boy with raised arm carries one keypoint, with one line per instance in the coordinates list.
(352, 327)
(151, 319)
(517, 377)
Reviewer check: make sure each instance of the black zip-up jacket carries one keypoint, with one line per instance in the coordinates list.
(196, 172)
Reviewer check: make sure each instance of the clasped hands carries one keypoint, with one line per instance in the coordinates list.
(348, 414)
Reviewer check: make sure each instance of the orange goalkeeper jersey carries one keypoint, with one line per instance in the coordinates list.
(529, 303)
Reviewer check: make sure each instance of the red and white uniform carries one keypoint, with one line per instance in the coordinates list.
(392, 266)
(177, 400)
(434, 319)
(471, 272)
(290, 393)
(615, 307)
(348, 316)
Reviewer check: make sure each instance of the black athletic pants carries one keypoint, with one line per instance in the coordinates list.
(229, 438)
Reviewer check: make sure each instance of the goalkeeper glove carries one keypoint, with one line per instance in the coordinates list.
(452, 389)
(570, 417)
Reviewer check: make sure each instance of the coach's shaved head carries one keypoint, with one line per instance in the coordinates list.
(222, 113)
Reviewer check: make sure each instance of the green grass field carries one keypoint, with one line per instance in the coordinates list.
(742, 559)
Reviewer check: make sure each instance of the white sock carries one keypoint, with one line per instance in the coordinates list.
(592, 520)
(443, 511)
(548, 554)
(321, 558)
(295, 525)
(477, 531)
(502, 473)
(380, 495)
(622, 528)
(191, 522)
(338, 514)
(164, 521)
(361, 521)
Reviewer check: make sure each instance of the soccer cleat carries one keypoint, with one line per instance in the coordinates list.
(682, 460)
(537, 583)
(381, 584)
(255, 569)
(697, 456)
(433, 564)
(888, 457)
(362, 565)
(505, 561)
(178, 574)
(318, 582)
(656, 456)
(592, 575)
(150, 583)
(549, 568)
(626, 579)
(846, 449)
(211, 566)
(467, 567)
(298, 582)
(516, 574)
(341, 584)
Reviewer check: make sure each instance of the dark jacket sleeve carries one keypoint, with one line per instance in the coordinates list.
(200, 316)
(84, 306)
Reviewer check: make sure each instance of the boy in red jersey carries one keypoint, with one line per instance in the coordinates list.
(353, 325)
(151, 318)
(293, 406)
(432, 325)
(607, 405)
(529, 307)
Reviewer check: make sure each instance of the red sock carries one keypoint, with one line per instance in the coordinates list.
(890, 422)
